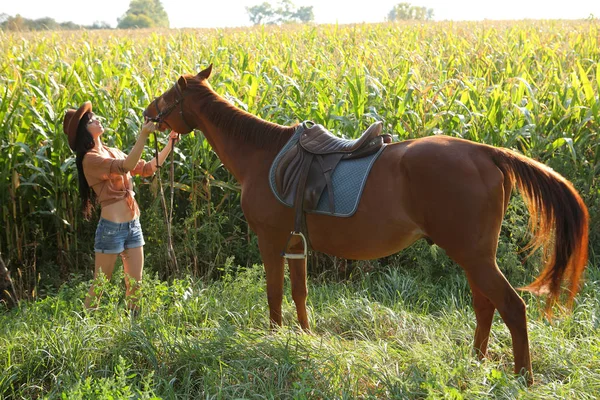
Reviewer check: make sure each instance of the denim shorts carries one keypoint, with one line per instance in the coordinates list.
(114, 237)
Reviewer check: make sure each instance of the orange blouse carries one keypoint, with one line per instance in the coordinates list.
(109, 179)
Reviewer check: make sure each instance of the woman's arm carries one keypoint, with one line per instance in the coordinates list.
(134, 155)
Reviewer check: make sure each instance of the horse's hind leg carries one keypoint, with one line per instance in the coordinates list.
(487, 279)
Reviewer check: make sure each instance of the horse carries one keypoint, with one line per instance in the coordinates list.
(450, 191)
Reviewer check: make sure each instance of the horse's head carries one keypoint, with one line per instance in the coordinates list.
(161, 109)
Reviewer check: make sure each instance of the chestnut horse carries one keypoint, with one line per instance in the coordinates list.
(451, 191)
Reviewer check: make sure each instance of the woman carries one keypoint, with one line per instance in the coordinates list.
(108, 172)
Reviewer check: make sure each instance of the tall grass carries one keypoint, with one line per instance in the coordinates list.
(385, 334)
(532, 86)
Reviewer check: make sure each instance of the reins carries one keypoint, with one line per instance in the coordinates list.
(160, 119)
(168, 214)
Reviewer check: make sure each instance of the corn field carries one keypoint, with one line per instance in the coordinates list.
(531, 86)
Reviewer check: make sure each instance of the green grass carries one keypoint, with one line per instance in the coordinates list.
(387, 334)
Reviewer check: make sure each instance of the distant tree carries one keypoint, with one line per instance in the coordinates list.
(305, 14)
(261, 13)
(134, 21)
(43, 24)
(100, 25)
(144, 14)
(285, 12)
(18, 23)
(70, 26)
(406, 11)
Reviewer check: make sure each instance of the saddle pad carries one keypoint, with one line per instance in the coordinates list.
(348, 181)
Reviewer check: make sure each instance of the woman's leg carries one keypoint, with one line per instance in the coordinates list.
(105, 263)
(133, 266)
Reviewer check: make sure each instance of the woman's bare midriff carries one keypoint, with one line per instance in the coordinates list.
(118, 212)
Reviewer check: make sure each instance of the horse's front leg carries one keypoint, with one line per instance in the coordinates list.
(299, 290)
(270, 252)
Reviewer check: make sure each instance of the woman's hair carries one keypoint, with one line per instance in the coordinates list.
(84, 142)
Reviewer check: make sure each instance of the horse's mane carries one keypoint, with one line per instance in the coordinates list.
(238, 123)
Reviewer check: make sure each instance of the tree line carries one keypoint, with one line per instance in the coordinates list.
(151, 14)
(21, 24)
(286, 12)
(141, 14)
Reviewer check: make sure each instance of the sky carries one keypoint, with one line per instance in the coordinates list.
(232, 13)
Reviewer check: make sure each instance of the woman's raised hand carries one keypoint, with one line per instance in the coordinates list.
(174, 136)
(148, 128)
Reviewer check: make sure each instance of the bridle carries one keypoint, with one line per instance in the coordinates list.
(162, 115)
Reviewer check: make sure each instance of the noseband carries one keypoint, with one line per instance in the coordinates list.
(162, 115)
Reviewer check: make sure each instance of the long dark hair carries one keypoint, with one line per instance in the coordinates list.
(84, 142)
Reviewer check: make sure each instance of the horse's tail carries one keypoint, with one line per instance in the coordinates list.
(559, 222)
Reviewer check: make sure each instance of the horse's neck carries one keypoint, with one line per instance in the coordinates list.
(236, 138)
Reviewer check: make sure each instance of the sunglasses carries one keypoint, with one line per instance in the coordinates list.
(93, 119)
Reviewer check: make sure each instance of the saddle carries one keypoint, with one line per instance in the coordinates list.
(305, 170)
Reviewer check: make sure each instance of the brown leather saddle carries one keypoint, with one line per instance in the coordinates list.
(305, 170)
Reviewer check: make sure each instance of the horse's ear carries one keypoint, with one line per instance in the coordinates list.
(182, 82)
(206, 73)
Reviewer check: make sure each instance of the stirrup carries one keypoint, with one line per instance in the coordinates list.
(295, 256)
